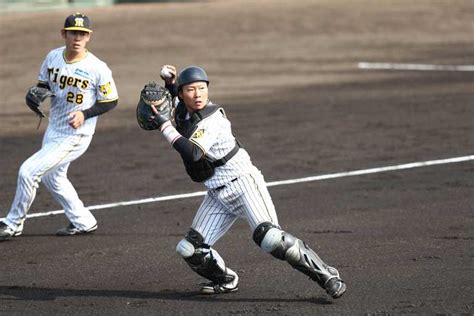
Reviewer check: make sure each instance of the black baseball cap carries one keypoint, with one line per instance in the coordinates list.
(77, 22)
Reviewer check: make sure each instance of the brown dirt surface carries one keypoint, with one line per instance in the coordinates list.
(286, 73)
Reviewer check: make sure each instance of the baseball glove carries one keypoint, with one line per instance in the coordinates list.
(35, 96)
(154, 107)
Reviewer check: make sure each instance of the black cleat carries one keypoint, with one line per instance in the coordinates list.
(335, 287)
(216, 288)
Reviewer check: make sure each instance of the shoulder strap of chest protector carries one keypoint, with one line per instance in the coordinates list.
(200, 115)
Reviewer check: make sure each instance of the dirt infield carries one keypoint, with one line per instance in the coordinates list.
(286, 73)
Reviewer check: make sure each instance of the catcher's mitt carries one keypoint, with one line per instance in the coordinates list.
(35, 96)
(154, 96)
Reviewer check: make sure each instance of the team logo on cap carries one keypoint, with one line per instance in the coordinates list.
(79, 22)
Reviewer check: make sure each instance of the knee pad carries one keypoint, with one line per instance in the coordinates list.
(185, 249)
(188, 246)
(277, 242)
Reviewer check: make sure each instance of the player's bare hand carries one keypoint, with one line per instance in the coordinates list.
(153, 109)
(168, 74)
(76, 119)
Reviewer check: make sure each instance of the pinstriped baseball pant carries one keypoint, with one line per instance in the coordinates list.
(49, 165)
(246, 198)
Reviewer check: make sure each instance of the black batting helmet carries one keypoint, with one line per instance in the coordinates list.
(191, 74)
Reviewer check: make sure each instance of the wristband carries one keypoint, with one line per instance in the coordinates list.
(169, 132)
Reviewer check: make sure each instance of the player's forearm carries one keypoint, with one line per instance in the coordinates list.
(172, 88)
(99, 108)
(187, 149)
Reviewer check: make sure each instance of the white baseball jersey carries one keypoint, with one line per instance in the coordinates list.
(236, 190)
(77, 86)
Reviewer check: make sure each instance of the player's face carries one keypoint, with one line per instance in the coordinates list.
(194, 96)
(76, 41)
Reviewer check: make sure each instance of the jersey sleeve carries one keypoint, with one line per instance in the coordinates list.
(43, 76)
(106, 89)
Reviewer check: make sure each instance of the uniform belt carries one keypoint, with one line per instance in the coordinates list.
(223, 186)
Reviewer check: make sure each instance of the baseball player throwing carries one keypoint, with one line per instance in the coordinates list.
(211, 154)
(81, 87)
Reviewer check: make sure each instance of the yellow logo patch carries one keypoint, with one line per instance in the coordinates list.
(105, 89)
(198, 134)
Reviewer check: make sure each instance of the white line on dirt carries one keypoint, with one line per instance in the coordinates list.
(426, 67)
(274, 183)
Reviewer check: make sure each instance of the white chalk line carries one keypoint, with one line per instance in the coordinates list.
(273, 184)
(422, 67)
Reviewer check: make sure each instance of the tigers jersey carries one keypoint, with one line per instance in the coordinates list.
(76, 86)
(214, 137)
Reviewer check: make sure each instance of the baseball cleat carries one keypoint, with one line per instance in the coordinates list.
(7, 232)
(71, 230)
(335, 287)
(216, 288)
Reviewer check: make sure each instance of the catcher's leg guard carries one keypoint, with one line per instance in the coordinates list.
(300, 256)
(202, 259)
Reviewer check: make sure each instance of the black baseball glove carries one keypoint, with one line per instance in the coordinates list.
(154, 96)
(35, 96)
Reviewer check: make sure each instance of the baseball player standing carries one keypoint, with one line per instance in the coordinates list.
(81, 88)
(236, 188)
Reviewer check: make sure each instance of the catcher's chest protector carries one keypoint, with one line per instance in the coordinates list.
(186, 127)
(203, 169)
